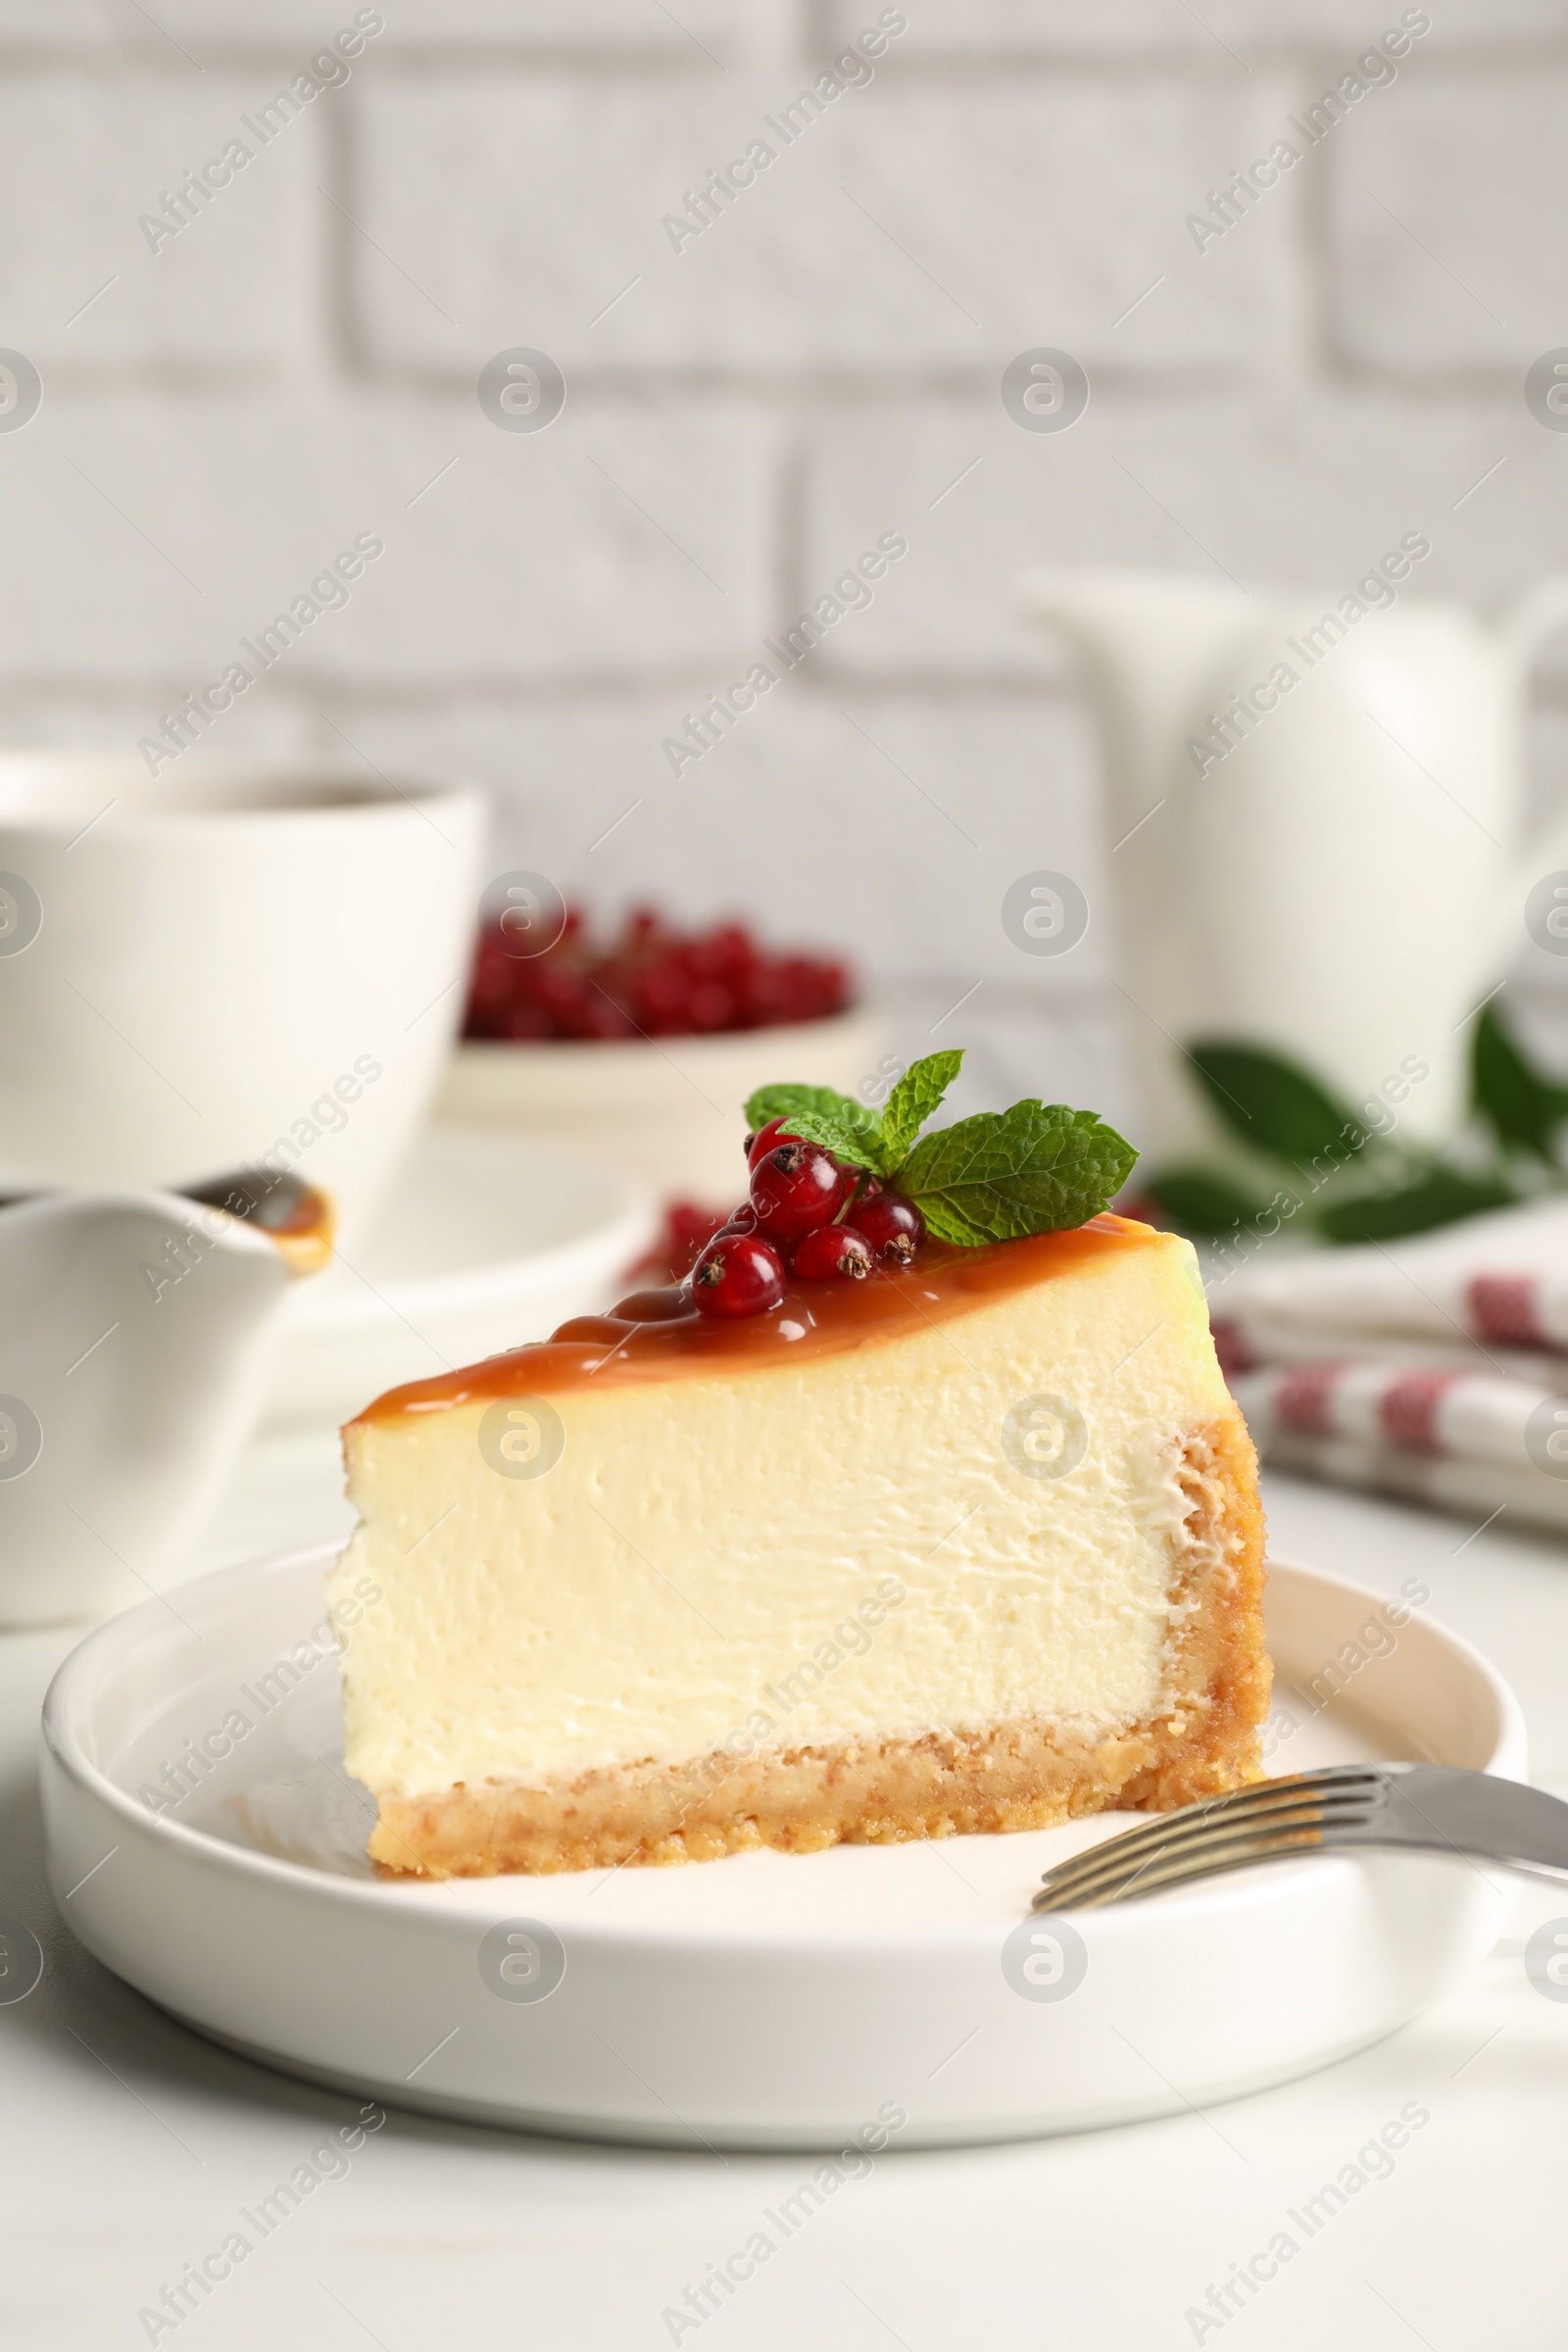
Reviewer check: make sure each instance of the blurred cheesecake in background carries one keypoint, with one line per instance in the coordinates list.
(643, 1049)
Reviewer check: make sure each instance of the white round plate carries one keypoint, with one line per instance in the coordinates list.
(484, 1240)
(766, 2001)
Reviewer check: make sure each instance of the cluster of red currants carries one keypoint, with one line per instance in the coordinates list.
(652, 981)
(808, 1214)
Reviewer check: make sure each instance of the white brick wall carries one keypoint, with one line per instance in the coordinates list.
(903, 231)
(1478, 297)
(816, 369)
(84, 155)
(911, 787)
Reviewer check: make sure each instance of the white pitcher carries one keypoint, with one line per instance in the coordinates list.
(1331, 861)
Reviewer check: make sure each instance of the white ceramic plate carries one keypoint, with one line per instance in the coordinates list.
(766, 2001)
(486, 1240)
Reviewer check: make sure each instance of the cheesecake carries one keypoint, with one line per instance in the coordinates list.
(959, 1534)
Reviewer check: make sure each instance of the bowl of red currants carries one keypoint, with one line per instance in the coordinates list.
(642, 1043)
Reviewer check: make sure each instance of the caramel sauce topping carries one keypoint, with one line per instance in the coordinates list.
(659, 1335)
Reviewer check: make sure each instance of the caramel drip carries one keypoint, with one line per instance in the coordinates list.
(298, 1220)
(658, 1335)
(302, 1237)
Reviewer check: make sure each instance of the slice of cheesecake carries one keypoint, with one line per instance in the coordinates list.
(974, 1544)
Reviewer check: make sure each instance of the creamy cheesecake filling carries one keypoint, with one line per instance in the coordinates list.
(759, 1557)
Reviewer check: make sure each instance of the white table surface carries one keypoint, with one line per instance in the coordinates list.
(127, 2144)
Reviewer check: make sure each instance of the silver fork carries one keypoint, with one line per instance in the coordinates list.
(1434, 1808)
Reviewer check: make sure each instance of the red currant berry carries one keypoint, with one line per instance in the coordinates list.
(832, 1250)
(893, 1227)
(797, 1186)
(737, 1274)
(765, 1140)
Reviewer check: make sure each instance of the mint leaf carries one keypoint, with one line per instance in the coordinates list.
(1271, 1102)
(915, 1097)
(838, 1136)
(818, 1116)
(1036, 1168)
(783, 1100)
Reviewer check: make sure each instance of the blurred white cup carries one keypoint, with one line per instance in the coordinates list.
(242, 966)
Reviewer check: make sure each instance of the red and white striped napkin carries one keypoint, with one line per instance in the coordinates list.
(1436, 1368)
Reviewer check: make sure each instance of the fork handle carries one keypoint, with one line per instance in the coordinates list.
(1441, 1809)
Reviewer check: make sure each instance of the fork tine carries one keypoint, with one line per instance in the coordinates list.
(1114, 1852)
(1115, 1867)
(1260, 1846)
(1114, 1862)
(1335, 1782)
(1256, 1800)
(1329, 1794)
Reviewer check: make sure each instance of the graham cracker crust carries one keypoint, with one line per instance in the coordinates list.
(1022, 1775)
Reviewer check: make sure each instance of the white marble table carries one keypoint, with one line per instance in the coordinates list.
(129, 2145)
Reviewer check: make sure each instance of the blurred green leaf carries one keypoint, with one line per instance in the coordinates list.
(1273, 1103)
(1518, 1101)
(1200, 1203)
(1440, 1197)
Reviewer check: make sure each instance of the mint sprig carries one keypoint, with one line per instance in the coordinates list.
(998, 1176)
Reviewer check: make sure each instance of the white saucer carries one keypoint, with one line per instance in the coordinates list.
(766, 2001)
(487, 1241)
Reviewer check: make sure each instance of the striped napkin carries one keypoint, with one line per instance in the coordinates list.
(1435, 1368)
